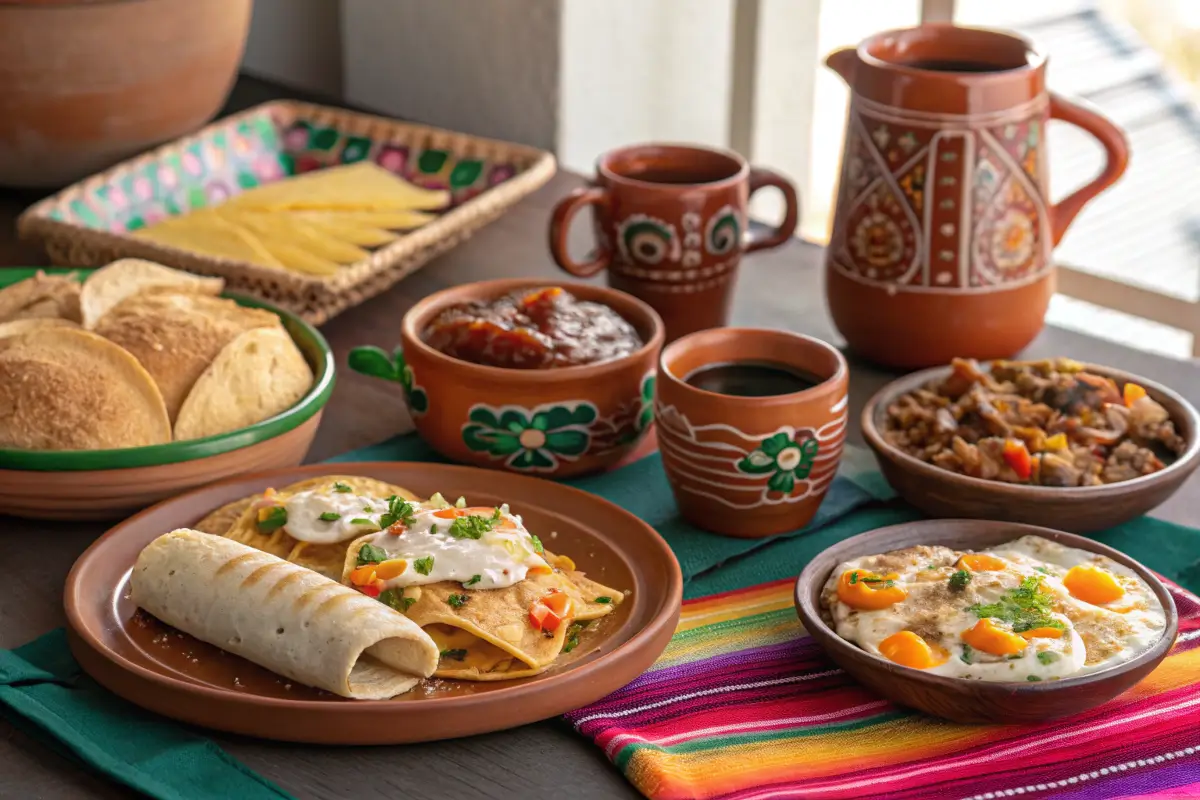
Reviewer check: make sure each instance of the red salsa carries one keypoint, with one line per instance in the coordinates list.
(532, 329)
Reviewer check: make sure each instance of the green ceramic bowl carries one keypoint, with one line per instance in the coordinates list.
(311, 343)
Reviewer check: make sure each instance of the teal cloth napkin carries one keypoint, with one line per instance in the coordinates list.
(42, 690)
(44, 693)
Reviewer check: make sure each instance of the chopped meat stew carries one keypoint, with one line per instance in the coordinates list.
(1046, 423)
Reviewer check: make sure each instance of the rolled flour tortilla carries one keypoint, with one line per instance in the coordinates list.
(281, 616)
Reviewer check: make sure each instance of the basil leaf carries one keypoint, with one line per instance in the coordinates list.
(370, 554)
(275, 518)
(424, 565)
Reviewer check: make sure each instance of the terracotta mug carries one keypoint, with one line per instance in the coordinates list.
(671, 227)
(943, 229)
(750, 466)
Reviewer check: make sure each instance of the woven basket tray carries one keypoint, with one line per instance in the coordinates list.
(89, 223)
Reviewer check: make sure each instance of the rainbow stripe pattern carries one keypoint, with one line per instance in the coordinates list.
(743, 704)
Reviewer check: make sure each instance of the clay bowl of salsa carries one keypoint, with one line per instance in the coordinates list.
(530, 376)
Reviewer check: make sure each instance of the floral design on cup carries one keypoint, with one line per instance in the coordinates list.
(788, 459)
(377, 363)
(531, 439)
(647, 413)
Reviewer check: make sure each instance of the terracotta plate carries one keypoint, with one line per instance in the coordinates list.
(175, 675)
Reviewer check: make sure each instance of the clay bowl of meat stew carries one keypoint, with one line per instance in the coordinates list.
(1077, 447)
(918, 651)
(526, 375)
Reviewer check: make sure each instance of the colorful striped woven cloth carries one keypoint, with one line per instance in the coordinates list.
(743, 704)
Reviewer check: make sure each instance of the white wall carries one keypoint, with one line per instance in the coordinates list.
(297, 43)
(488, 67)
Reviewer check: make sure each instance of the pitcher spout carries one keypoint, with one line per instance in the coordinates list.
(843, 62)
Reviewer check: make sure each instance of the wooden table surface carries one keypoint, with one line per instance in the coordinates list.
(781, 289)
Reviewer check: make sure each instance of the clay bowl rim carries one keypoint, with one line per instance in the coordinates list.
(876, 408)
(1036, 57)
(947, 532)
(424, 310)
(666, 616)
(307, 338)
(827, 386)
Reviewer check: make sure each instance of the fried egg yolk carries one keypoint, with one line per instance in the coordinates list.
(981, 562)
(988, 638)
(865, 590)
(1092, 585)
(1043, 633)
(909, 650)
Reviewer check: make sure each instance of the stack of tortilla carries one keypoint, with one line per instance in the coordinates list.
(138, 354)
(314, 223)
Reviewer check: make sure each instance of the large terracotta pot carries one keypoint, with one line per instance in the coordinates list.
(85, 84)
(943, 230)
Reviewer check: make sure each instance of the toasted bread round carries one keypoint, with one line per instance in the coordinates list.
(109, 285)
(17, 327)
(176, 336)
(259, 374)
(66, 389)
(41, 297)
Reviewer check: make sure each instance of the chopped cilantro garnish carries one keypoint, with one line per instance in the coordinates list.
(341, 487)
(968, 653)
(537, 545)
(396, 599)
(1025, 607)
(1042, 570)
(1047, 657)
(959, 580)
(273, 520)
(1032, 678)
(474, 580)
(455, 655)
(398, 511)
(368, 510)
(572, 639)
(457, 600)
(433, 528)
(424, 565)
(364, 521)
(370, 554)
(853, 578)
(603, 600)
(473, 527)
(932, 566)
(329, 516)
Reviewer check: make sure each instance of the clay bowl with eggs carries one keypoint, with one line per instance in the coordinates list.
(103, 484)
(557, 420)
(976, 700)
(941, 492)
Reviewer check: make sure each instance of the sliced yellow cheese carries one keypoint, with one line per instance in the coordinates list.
(272, 227)
(203, 231)
(388, 220)
(361, 186)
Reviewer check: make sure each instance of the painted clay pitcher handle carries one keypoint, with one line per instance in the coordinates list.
(560, 228)
(1116, 151)
(760, 178)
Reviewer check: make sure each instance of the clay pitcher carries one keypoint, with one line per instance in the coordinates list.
(943, 229)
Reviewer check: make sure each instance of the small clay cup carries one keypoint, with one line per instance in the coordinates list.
(551, 423)
(671, 227)
(750, 466)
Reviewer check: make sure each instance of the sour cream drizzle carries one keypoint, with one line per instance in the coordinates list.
(304, 511)
(501, 557)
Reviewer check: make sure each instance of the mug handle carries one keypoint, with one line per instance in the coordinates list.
(1116, 151)
(761, 178)
(560, 228)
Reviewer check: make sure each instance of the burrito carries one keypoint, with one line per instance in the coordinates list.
(496, 603)
(280, 616)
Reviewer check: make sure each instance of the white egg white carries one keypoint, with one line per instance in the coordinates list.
(1095, 636)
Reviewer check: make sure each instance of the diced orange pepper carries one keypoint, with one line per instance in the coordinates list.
(448, 513)
(363, 575)
(548, 612)
(564, 563)
(1093, 585)
(1132, 393)
(981, 562)
(540, 570)
(856, 588)
(985, 636)
(1043, 633)
(1016, 455)
(910, 650)
(392, 568)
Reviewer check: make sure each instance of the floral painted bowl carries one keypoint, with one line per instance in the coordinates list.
(554, 422)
